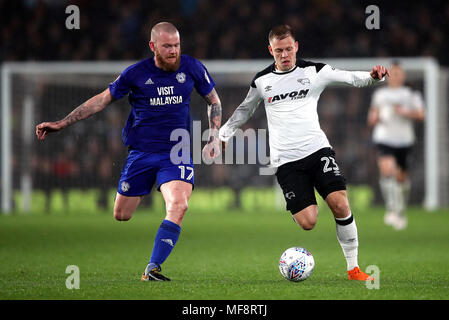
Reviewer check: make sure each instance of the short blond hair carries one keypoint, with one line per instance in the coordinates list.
(281, 32)
(166, 27)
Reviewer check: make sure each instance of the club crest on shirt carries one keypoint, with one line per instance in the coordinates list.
(124, 186)
(181, 77)
(304, 81)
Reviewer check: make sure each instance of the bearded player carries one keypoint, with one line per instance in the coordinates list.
(158, 90)
(299, 149)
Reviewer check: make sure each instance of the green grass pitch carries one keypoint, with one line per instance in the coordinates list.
(220, 256)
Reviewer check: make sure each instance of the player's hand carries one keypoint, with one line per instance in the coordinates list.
(378, 72)
(400, 110)
(212, 149)
(45, 128)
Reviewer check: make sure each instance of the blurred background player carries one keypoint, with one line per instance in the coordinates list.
(159, 90)
(393, 110)
(299, 149)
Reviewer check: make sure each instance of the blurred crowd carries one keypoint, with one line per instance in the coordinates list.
(91, 154)
(231, 29)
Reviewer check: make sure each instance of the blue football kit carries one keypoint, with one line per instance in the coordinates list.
(160, 104)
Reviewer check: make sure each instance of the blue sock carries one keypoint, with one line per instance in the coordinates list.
(165, 240)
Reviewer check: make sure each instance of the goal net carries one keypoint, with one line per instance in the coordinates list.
(81, 165)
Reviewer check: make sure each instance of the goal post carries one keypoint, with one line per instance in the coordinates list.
(24, 88)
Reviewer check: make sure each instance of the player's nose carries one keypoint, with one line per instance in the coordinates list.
(172, 50)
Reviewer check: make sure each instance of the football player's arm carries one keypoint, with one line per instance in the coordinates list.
(85, 110)
(417, 112)
(243, 112)
(373, 116)
(212, 148)
(353, 78)
(373, 112)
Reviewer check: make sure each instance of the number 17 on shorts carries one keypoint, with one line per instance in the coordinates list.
(186, 172)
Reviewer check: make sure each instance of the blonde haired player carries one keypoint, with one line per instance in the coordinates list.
(393, 110)
(299, 149)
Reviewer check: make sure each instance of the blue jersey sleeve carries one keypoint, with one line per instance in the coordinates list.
(120, 87)
(203, 81)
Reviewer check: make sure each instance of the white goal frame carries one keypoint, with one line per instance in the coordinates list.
(428, 66)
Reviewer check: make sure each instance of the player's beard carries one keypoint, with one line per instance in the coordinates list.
(167, 66)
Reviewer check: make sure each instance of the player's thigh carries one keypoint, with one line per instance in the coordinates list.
(387, 165)
(176, 194)
(138, 174)
(297, 186)
(125, 206)
(386, 160)
(137, 179)
(402, 160)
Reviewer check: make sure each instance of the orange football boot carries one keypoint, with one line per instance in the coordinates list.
(357, 274)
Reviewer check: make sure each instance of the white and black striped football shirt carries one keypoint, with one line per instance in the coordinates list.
(290, 100)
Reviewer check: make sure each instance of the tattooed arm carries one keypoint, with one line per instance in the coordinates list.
(213, 112)
(212, 148)
(88, 108)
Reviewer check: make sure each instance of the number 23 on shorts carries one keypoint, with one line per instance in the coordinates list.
(330, 165)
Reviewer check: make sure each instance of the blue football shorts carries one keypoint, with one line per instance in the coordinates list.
(142, 169)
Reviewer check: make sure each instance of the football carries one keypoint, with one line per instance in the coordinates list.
(296, 264)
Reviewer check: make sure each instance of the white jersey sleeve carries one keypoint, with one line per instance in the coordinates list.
(359, 79)
(243, 112)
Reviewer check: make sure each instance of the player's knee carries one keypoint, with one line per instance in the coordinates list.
(176, 211)
(401, 176)
(307, 217)
(121, 215)
(388, 168)
(306, 223)
(177, 207)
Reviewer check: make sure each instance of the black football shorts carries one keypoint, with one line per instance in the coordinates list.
(401, 154)
(299, 178)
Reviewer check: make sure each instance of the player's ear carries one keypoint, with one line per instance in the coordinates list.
(151, 45)
(296, 46)
(270, 49)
